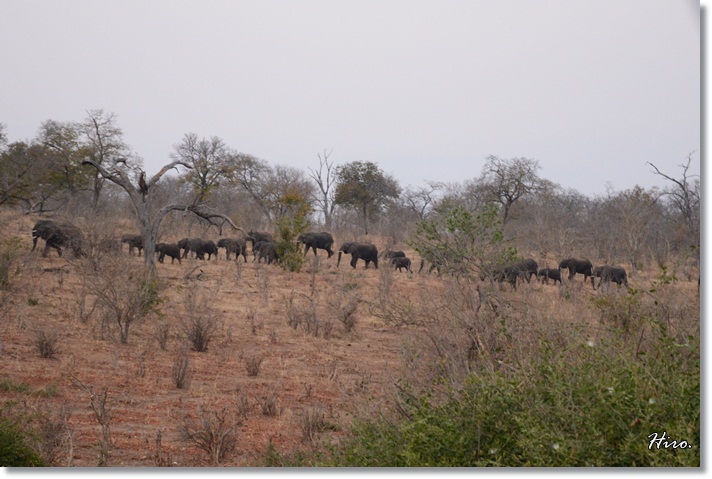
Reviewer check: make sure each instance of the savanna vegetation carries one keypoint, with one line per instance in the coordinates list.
(113, 358)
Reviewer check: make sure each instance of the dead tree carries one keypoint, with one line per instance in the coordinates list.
(685, 197)
(141, 196)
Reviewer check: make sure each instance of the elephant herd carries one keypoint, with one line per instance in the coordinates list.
(59, 235)
(525, 269)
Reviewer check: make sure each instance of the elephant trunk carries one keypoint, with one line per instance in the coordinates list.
(338, 261)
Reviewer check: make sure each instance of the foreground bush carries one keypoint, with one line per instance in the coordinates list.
(15, 449)
(591, 405)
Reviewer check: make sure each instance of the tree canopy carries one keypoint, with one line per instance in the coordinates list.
(364, 187)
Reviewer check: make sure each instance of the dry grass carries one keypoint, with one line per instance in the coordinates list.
(423, 329)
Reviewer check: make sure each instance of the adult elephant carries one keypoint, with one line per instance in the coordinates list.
(574, 265)
(168, 249)
(508, 274)
(527, 268)
(257, 236)
(207, 247)
(134, 241)
(316, 241)
(58, 235)
(608, 274)
(234, 245)
(190, 244)
(365, 251)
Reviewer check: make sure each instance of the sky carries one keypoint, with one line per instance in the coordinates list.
(591, 89)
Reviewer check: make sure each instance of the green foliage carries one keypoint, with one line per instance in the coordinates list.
(289, 227)
(582, 406)
(15, 440)
(365, 188)
(464, 243)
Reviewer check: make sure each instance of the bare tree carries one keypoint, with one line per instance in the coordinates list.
(325, 177)
(250, 173)
(209, 160)
(685, 198)
(507, 180)
(421, 199)
(104, 141)
(141, 195)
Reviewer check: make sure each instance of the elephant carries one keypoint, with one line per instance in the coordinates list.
(365, 251)
(206, 247)
(549, 273)
(437, 264)
(522, 269)
(400, 262)
(508, 274)
(609, 273)
(574, 265)
(190, 244)
(58, 235)
(392, 254)
(168, 249)
(257, 236)
(314, 240)
(266, 250)
(528, 268)
(134, 241)
(234, 245)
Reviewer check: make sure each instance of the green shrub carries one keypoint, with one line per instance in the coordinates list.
(15, 450)
(293, 223)
(585, 406)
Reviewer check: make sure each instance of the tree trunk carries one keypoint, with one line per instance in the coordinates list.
(365, 218)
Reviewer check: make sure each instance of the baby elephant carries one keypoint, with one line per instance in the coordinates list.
(549, 273)
(168, 249)
(400, 262)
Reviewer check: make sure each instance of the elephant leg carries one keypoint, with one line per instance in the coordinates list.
(354, 259)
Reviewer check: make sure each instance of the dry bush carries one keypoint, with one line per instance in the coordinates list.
(103, 415)
(54, 439)
(9, 255)
(312, 422)
(302, 315)
(159, 458)
(385, 280)
(243, 405)
(46, 342)
(270, 404)
(162, 333)
(180, 371)
(344, 306)
(199, 323)
(253, 364)
(124, 292)
(214, 432)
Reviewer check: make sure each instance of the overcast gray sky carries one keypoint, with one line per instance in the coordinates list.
(592, 89)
